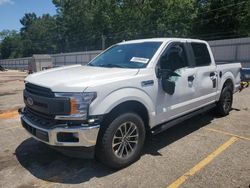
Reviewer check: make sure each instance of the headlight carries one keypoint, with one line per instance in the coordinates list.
(79, 105)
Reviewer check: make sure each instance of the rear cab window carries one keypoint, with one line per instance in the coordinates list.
(201, 54)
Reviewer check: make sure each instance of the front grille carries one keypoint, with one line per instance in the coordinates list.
(38, 90)
(36, 103)
(39, 119)
(39, 114)
(44, 106)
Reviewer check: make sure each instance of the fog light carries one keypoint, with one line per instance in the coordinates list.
(90, 121)
(67, 137)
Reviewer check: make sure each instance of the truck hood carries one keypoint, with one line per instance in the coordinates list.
(77, 78)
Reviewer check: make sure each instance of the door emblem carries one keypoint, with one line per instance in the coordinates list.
(30, 101)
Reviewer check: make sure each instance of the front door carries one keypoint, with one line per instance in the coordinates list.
(172, 105)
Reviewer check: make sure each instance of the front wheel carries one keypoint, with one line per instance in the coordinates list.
(224, 105)
(122, 141)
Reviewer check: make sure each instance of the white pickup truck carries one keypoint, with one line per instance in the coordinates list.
(106, 107)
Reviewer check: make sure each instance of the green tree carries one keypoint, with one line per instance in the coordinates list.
(27, 21)
(244, 28)
(85, 22)
(38, 34)
(218, 19)
(81, 25)
(10, 46)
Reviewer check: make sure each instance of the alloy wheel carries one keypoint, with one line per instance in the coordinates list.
(125, 140)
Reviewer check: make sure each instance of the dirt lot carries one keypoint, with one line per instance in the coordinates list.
(205, 151)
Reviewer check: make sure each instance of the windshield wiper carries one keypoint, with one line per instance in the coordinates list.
(111, 65)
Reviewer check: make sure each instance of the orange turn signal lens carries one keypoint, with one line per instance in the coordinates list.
(73, 106)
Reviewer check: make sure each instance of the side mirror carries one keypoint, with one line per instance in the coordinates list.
(168, 86)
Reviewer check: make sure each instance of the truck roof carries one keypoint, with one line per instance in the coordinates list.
(161, 40)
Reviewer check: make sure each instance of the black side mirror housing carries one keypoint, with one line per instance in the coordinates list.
(167, 85)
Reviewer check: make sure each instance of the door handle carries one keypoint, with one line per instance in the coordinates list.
(213, 78)
(212, 74)
(191, 78)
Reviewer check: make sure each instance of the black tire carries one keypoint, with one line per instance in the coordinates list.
(224, 105)
(109, 141)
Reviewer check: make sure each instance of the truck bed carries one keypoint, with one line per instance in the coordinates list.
(227, 70)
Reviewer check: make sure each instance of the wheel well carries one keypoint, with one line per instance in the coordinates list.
(129, 106)
(229, 83)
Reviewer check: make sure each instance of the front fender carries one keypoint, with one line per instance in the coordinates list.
(106, 104)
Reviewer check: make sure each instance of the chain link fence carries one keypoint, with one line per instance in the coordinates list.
(230, 50)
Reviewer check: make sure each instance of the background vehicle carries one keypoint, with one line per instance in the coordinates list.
(245, 74)
(1, 68)
(245, 78)
(136, 86)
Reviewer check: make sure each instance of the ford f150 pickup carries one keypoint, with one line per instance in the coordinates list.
(105, 108)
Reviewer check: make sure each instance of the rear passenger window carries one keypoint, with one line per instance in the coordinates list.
(201, 54)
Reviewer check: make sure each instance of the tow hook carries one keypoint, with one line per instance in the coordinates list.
(20, 110)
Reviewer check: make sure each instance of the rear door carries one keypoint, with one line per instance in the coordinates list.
(206, 75)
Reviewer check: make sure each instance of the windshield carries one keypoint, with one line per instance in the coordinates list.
(135, 55)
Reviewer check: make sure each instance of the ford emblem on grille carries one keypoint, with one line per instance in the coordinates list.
(30, 101)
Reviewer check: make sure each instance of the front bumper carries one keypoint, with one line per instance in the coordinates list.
(62, 134)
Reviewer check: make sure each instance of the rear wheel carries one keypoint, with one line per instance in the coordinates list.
(122, 141)
(224, 105)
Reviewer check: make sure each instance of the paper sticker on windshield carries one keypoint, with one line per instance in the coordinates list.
(139, 59)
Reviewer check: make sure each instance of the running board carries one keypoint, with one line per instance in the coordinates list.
(165, 126)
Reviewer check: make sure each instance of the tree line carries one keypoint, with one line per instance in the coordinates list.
(81, 25)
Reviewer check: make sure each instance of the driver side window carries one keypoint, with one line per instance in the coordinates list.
(174, 57)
